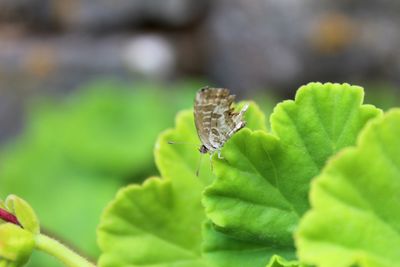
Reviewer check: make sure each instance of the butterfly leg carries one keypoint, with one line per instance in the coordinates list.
(211, 163)
(219, 154)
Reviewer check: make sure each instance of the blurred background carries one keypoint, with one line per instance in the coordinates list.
(86, 86)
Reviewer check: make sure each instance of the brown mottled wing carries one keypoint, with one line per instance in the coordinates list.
(205, 103)
(214, 117)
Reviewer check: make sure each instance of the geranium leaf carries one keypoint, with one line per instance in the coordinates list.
(141, 228)
(278, 261)
(323, 119)
(228, 251)
(263, 181)
(244, 199)
(147, 226)
(355, 219)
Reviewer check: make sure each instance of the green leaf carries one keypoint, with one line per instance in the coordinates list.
(263, 181)
(25, 214)
(150, 225)
(16, 244)
(228, 251)
(245, 198)
(159, 223)
(323, 119)
(278, 261)
(355, 217)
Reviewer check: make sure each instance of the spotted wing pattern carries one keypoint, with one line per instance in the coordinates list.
(215, 118)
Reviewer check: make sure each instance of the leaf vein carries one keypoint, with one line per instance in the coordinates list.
(302, 141)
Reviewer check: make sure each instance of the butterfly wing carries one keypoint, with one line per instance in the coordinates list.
(205, 104)
(225, 122)
(215, 118)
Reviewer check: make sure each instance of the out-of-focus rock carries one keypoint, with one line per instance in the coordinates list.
(101, 15)
(32, 13)
(256, 43)
(89, 15)
(56, 62)
(261, 43)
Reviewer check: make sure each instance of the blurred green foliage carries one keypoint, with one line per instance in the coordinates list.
(74, 154)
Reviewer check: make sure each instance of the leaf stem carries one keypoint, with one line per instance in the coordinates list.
(61, 252)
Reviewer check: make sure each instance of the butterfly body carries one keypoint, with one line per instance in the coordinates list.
(215, 119)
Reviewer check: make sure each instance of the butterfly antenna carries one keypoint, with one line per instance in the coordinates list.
(199, 165)
(181, 143)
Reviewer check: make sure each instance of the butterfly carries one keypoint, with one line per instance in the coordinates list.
(215, 119)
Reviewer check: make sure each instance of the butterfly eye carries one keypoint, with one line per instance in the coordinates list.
(204, 88)
(203, 149)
